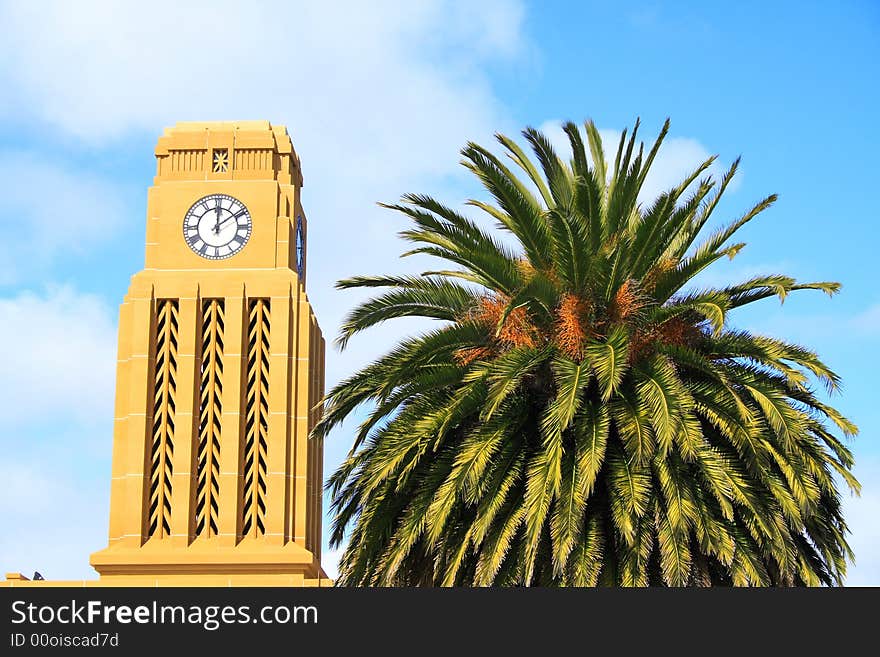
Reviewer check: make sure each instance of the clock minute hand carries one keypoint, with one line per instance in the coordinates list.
(228, 219)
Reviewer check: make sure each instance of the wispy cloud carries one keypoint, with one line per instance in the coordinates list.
(57, 358)
(50, 210)
(861, 325)
(57, 363)
(677, 159)
(868, 322)
(52, 518)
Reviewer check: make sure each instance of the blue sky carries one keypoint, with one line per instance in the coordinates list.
(378, 99)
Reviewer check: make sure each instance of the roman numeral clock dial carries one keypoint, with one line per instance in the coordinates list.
(217, 226)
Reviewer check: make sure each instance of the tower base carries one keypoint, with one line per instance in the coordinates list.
(209, 563)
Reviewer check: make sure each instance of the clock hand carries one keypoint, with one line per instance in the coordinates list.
(227, 220)
(217, 225)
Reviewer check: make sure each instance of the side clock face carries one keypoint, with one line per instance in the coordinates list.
(217, 226)
(300, 246)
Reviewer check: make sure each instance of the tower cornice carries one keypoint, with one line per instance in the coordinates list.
(227, 150)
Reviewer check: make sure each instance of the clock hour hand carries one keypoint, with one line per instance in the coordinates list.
(217, 224)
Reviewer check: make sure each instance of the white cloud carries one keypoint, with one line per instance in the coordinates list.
(50, 210)
(340, 75)
(868, 322)
(54, 513)
(730, 272)
(57, 363)
(26, 485)
(677, 158)
(862, 327)
(57, 359)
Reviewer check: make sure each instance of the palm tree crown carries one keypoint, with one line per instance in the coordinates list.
(582, 415)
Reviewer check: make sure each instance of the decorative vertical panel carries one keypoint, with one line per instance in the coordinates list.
(162, 443)
(256, 427)
(253, 159)
(207, 473)
(187, 160)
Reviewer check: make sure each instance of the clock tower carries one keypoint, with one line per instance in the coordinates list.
(220, 373)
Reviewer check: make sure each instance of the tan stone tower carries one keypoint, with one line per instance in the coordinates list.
(219, 373)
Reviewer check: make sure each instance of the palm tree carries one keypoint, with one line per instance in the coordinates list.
(583, 415)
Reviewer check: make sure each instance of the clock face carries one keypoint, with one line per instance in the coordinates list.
(217, 226)
(300, 246)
